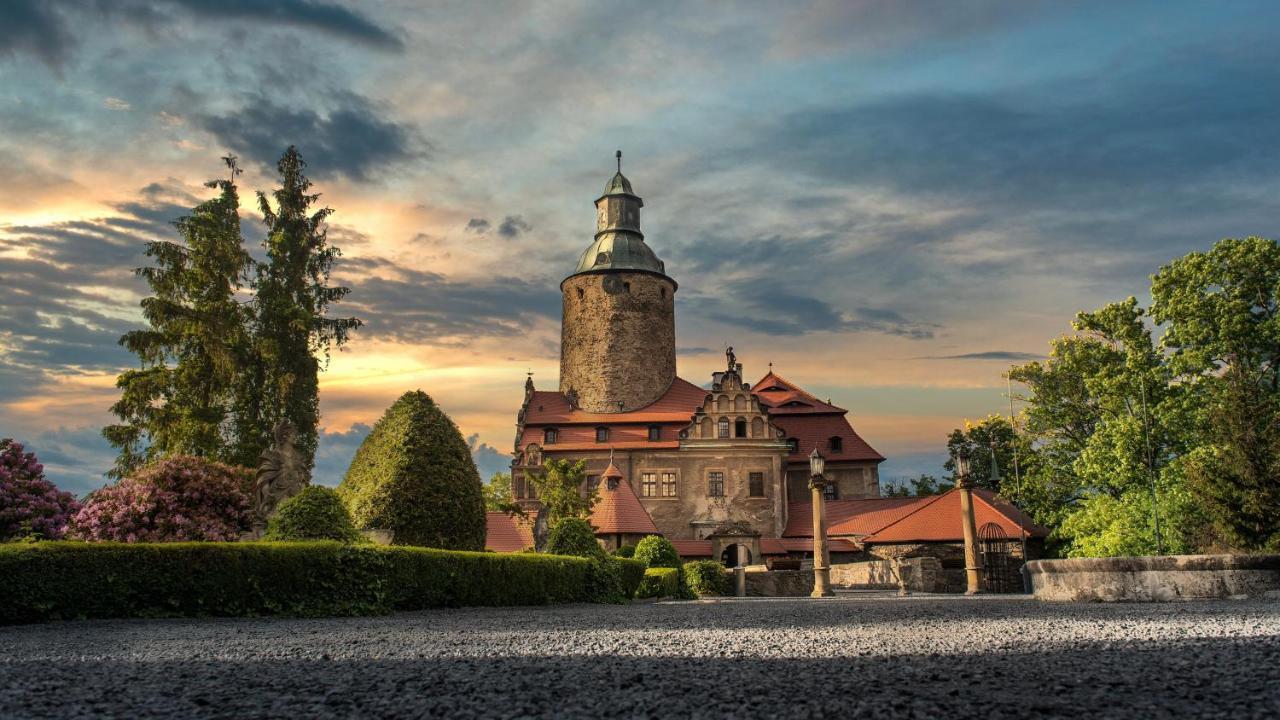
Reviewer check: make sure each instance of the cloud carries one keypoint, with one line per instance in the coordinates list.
(47, 30)
(113, 103)
(1009, 355)
(74, 458)
(352, 139)
(489, 460)
(478, 225)
(417, 306)
(334, 451)
(512, 226)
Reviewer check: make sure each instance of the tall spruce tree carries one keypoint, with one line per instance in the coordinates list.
(290, 327)
(179, 400)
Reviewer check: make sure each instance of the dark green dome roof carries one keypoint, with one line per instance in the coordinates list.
(618, 185)
(619, 251)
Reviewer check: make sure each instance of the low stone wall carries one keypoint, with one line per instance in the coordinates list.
(1154, 579)
(921, 574)
(778, 583)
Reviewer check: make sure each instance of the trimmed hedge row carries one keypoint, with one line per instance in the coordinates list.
(65, 580)
(707, 577)
(632, 573)
(660, 583)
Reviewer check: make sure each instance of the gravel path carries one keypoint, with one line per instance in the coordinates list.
(857, 658)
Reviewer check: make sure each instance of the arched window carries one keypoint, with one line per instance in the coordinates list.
(707, 428)
(722, 403)
(740, 403)
(723, 427)
(836, 443)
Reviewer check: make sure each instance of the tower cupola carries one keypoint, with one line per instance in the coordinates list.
(617, 335)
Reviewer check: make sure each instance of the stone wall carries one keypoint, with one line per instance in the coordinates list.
(1155, 579)
(921, 574)
(778, 583)
(617, 339)
(853, 481)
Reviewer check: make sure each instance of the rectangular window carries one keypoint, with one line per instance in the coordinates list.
(602, 434)
(722, 428)
(655, 433)
(549, 436)
(519, 486)
(755, 484)
(668, 484)
(830, 491)
(648, 485)
(715, 484)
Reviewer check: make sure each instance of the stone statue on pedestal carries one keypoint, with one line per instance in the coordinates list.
(281, 474)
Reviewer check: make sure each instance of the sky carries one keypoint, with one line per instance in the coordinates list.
(890, 201)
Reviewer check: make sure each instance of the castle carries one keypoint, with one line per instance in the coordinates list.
(714, 468)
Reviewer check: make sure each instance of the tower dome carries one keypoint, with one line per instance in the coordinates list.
(617, 336)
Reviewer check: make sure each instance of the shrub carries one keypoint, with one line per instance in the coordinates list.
(414, 476)
(632, 574)
(656, 551)
(706, 577)
(660, 582)
(66, 580)
(30, 505)
(574, 536)
(625, 551)
(174, 499)
(316, 513)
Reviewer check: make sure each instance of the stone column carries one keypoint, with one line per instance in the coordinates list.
(821, 565)
(972, 570)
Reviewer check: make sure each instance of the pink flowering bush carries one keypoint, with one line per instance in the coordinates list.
(30, 505)
(174, 499)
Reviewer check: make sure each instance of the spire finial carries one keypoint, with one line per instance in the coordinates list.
(618, 155)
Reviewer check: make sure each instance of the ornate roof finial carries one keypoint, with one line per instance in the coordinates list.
(618, 155)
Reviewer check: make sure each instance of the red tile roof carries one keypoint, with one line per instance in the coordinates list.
(933, 518)
(939, 520)
(692, 548)
(850, 517)
(505, 533)
(675, 406)
(784, 397)
(621, 436)
(618, 510)
(816, 431)
(768, 546)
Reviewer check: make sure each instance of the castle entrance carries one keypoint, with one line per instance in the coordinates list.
(735, 555)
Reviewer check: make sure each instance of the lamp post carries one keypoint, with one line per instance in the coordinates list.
(818, 486)
(964, 483)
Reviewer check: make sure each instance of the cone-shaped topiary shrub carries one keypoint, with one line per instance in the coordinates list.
(414, 476)
(656, 551)
(316, 513)
(574, 536)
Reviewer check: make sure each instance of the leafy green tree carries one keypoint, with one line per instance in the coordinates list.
(178, 402)
(562, 489)
(918, 487)
(1223, 336)
(993, 436)
(291, 327)
(414, 475)
(497, 492)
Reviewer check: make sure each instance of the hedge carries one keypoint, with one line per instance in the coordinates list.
(632, 573)
(707, 577)
(660, 583)
(66, 580)
(315, 513)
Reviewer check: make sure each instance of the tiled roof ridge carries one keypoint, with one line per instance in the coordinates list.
(914, 511)
(993, 500)
(796, 388)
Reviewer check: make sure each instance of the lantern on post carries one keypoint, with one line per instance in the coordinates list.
(821, 564)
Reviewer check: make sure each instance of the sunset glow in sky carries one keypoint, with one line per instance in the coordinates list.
(890, 201)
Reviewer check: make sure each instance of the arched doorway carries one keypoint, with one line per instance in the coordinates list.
(735, 555)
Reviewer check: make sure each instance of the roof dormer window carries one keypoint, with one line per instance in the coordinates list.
(836, 443)
(549, 436)
(602, 434)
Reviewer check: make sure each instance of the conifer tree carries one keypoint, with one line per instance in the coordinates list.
(178, 401)
(290, 327)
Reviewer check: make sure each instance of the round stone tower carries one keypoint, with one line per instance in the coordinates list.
(618, 334)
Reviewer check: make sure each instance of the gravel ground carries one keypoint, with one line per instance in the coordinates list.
(848, 657)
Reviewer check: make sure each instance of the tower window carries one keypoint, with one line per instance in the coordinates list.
(581, 294)
(837, 444)
(664, 293)
(793, 445)
(549, 436)
(626, 286)
(655, 433)
(602, 434)
(723, 428)
(715, 484)
(755, 482)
